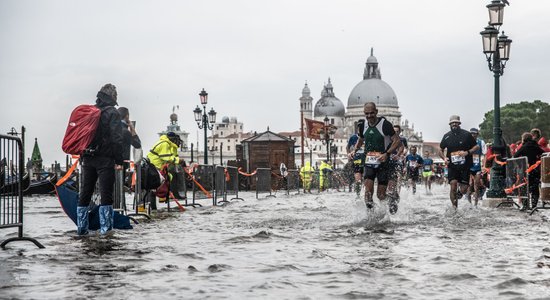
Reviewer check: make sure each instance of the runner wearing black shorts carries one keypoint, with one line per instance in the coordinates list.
(460, 145)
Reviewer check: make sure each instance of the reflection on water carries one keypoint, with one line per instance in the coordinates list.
(295, 247)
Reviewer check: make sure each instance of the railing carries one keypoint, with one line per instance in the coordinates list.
(293, 181)
(517, 182)
(544, 183)
(12, 185)
(226, 184)
(263, 182)
(203, 184)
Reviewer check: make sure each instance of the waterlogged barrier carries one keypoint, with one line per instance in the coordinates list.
(227, 184)
(293, 181)
(263, 182)
(203, 184)
(517, 181)
(11, 188)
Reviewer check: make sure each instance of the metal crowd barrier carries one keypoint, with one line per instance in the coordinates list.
(544, 183)
(203, 185)
(11, 188)
(227, 184)
(517, 181)
(293, 181)
(140, 195)
(119, 197)
(338, 180)
(263, 182)
(315, 181)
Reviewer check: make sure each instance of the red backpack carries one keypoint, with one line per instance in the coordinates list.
(81, 129)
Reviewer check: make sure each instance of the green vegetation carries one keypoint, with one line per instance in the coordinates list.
(517, 118)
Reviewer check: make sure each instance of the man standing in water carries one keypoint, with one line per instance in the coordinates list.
(380, 140)
(99, 161)
(460, 145)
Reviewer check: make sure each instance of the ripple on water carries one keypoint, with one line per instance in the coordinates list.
(515, 282)
(215, 268)
(458, 277)
(361, 295)
(276, 268)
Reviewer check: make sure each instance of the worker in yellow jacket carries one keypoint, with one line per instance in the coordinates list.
(324, 172)
(306, 174)
(165, 150)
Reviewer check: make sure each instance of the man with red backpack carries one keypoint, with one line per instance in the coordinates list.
(99, 161)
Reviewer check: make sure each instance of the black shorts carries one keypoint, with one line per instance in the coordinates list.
(412, 174)
(358, 169)
(461, 174)
(382, 173)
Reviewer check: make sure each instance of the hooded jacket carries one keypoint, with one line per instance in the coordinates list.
(108, 137)
(531, 150)
(306, 171)
(324, 168)
(164, 152)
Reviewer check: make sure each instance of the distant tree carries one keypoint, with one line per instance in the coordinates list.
(517, 118)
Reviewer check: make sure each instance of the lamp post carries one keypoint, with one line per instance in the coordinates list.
(334, 152)
(497, 51)
(205, 121)
(327, 136)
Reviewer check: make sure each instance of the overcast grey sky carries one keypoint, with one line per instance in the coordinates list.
(253, 58)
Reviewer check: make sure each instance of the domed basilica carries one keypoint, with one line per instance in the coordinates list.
(371, 89)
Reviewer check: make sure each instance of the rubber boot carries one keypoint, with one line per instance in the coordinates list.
(105, 218)
(82, 220)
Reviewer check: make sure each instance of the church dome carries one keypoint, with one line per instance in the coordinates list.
(372, 60)
(329, 105)
(372, 90)
(225, 119)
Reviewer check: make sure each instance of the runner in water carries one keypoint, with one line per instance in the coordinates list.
(475, 170)
(460, 145)
(358, 161)
(413, 162)
(427, 171)
(380, 139)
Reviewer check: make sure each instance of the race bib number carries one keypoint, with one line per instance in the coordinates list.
(427, 168)
(412, 164)
(456, 159)
(476, 159)
(372, 160)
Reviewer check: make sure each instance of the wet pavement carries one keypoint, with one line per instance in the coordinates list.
(313, 246)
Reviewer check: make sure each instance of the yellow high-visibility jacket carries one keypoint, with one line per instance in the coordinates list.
(306, 172)
(164, 152)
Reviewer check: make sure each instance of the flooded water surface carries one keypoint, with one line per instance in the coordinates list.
(313, 246)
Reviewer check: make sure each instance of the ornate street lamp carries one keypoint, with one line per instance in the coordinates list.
(497, 51)
(327, 135)
(205, 121)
